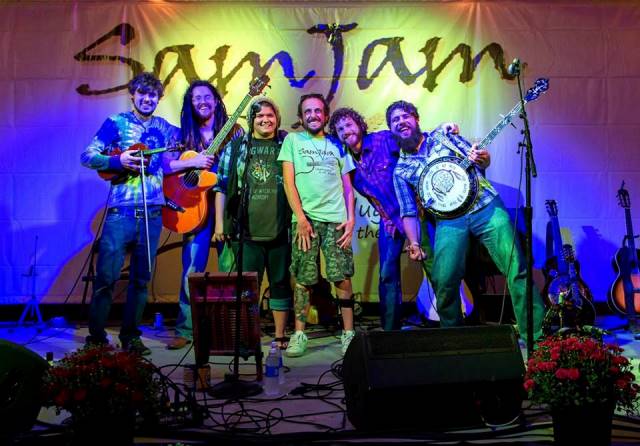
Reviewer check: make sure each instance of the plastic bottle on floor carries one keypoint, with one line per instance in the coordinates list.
(271, 384)
(281, 377)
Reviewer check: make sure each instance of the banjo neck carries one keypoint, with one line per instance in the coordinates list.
(540, 86)
(505, 121)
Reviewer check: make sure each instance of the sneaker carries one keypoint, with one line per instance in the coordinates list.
(137, 347)
(297, 345)
(346, 338)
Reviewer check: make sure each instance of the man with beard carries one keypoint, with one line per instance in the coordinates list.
(252, 160)
(202, 116)
(487, 220)
(318, 187)
(375, 156)
(124, 223)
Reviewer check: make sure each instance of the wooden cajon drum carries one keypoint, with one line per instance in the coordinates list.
(213, 312)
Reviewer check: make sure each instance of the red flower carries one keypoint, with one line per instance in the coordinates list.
(80, 394)
(61, 398)
(529, 384)
(573, 374)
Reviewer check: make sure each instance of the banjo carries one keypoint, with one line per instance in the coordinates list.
(449, 185)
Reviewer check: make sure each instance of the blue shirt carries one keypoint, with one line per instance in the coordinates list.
(411, 165)
(375, 165)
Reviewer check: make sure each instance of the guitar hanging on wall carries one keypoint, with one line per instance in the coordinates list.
(186, 192)
(624, 296)
(568, 297)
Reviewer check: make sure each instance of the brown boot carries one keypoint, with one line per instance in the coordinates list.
(178, 342)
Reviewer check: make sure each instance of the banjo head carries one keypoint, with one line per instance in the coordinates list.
(446, 188)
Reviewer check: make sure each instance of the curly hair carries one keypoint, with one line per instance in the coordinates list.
(404, 106)
(189, 124)
(347, 112)
(145, 82)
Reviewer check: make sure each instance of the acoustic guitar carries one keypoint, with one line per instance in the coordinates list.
(186, 192)
(568, 297)
(624, 295)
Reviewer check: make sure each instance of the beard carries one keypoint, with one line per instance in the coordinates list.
(411, 143)
(314, 132)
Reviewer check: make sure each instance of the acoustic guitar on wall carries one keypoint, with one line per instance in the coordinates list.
(624, 295)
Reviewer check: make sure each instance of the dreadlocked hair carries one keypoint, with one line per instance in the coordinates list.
(189, 123)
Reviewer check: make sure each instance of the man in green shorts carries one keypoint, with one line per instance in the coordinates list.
(318, 186)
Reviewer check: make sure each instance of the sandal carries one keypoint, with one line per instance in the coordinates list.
(282, 342)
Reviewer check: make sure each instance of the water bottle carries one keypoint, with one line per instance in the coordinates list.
(280, 363)
(272, 369)
(158, 322)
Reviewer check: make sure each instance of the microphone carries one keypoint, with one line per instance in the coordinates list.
(514, 67)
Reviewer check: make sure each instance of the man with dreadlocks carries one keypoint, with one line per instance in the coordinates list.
(251, 162)
(202, 116)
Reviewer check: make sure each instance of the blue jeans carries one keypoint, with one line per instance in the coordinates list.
(195, 255)
(492, 226)
(120, 231)
(389, 286)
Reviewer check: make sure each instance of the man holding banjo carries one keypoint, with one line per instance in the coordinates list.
(444, 174)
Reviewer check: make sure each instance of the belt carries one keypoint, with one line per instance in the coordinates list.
(134, 211)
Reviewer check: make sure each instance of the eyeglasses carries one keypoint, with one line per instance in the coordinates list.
(202, 98)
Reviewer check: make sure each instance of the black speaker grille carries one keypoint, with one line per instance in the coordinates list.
(448, 341)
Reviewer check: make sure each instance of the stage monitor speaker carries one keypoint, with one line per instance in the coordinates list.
(21, 372)
(433, 378)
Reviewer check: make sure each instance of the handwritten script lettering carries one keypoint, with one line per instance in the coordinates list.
(334, 34)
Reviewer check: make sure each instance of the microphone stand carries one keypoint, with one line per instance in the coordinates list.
(146, 215)
(530, 172)
(232, 387)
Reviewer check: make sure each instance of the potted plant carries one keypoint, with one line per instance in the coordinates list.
(582, 380)
(104, 390)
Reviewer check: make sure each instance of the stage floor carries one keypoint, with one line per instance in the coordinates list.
(311, 407)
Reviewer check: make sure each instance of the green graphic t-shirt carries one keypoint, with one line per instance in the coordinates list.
(264, 177)
(319, 165)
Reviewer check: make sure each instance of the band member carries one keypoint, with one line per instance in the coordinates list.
(375, 156)
(252, 161)
(318, 187)
(487, 220)
(124, 223)
(202, 116)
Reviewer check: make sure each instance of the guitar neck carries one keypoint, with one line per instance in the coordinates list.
(631, 241)
(563, 267)
(506, 120)
(216, 145)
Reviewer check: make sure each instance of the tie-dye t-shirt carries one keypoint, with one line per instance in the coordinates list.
(122, 131)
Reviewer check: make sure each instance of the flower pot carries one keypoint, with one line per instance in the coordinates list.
(589, 424)
(102, 429)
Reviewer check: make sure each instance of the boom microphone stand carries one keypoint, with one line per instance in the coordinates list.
(530, 172)
(232, 387)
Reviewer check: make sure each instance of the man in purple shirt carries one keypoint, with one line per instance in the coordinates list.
(375, 156)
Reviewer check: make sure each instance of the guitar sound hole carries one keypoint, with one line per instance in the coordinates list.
(190, 180)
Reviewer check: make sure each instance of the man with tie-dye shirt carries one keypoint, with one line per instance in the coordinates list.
(124, 224)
